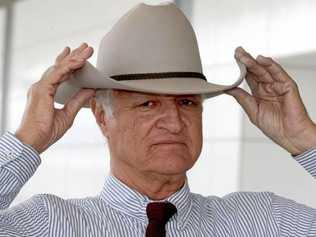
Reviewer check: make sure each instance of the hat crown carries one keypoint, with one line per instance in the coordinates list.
(150, 39)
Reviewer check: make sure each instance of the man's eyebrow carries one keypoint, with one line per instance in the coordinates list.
(190, 96)
(134, 96)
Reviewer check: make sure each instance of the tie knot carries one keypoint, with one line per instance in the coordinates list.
(160, 212)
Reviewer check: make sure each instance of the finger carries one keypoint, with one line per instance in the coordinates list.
(63, 54)
(252, 82)
(282, 88)
(76, 102)
(86, 53)
(79, 49)
(253, 66)
(81, 56)
(62, 71)
(274, 68)
(247, 102)
(260, 89)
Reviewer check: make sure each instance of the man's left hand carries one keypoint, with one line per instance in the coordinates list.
(275, 105)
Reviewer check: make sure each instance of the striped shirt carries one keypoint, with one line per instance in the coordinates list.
(120, 211)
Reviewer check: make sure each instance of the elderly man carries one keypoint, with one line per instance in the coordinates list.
(154, 136)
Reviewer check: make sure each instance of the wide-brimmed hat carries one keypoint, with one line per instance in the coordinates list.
(151, 49)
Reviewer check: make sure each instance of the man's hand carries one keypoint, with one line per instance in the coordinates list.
(274, 104)
(42, 124)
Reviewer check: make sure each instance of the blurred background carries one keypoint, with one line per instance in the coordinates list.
(236, 156)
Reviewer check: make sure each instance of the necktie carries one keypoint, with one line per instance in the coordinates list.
(158, 214)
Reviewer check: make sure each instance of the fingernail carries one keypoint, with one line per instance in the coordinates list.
(66, 48)
(88, 50)
(261, 57)
(241, 48)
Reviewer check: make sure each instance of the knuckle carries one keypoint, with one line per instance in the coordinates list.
(51, 90)
(290, 85)
(251, 119)
(60, 70)
(251, 63)
(74, 60)
(58, 59)
(70, 123)
(65, 121)
(33, 90)
(293, 84)
(48, 71)
(69, 117)
(55, 68)
(66, 69)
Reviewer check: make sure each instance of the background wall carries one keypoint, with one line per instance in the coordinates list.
(235, 155)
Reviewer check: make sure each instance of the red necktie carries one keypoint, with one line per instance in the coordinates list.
(158, 214)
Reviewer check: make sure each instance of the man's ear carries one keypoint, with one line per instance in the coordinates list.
(100, 117)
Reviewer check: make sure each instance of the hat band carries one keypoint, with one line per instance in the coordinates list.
(159, 75)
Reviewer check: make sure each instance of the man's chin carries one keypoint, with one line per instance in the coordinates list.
(175, 162)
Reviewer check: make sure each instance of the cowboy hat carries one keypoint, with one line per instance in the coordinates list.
(151, 49)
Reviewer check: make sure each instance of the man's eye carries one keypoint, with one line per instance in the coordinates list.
(148, 104)
(187, 102)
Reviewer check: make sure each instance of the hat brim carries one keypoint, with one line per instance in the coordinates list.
(90, 77)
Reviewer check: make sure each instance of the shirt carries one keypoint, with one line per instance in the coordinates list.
(121, 211)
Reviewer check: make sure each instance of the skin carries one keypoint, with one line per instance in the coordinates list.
(155, 139)
(160, 138)
(274, 104)
(42, 124)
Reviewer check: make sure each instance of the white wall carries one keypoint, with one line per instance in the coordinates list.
(2, 34)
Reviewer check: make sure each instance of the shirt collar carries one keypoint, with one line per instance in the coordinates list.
(132, 203)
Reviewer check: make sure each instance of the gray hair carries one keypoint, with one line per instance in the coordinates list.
(104, 101)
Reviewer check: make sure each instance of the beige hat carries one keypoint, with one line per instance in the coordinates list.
(151, 49)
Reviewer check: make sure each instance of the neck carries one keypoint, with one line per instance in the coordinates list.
(154, 186)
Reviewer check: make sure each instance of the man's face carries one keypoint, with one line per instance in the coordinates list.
(155, 133)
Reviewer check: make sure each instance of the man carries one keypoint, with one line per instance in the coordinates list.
(152, 121)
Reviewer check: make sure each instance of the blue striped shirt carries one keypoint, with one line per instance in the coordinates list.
(120, 211)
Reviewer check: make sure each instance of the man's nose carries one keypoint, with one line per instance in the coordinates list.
(170, 119)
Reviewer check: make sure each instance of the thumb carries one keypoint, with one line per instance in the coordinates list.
(247, 102)
(77, 101)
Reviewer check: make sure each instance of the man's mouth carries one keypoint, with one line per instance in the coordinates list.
(169, 142)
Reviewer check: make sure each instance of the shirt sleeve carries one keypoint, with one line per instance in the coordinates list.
(295, 219)
(292, 218)
(308, 160)
(29, 218)
(18, 162)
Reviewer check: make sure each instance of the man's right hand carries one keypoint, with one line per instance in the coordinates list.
(42, 124)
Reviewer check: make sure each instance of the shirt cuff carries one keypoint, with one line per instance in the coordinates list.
(307, 159)
(20, 159)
